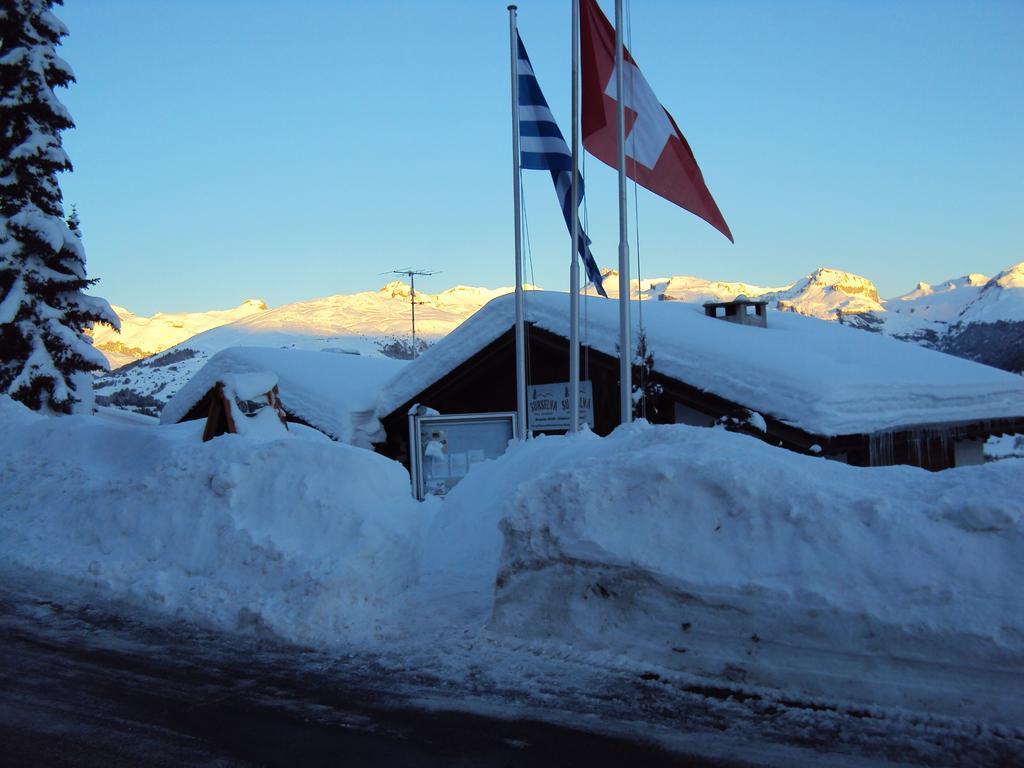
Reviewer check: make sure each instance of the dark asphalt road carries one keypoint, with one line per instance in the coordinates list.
(88, 682)
(81, 686)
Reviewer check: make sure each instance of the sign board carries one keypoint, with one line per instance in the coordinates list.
(548, 405)
(444, 448)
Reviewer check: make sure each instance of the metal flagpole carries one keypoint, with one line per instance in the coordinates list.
(520, 322)
(625, 345)
(574, 269)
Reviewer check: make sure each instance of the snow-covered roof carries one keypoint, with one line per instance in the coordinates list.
(331, 391)
(822, 377)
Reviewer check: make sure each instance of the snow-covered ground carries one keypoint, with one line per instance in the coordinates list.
(695, 558)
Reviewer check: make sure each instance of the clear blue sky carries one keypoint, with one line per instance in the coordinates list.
(288, 150)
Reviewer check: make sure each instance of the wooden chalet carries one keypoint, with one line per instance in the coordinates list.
(332, 393)
(484, 381)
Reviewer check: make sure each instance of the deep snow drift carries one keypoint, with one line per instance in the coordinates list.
(692, 552)
(307, 537)
(724, 557)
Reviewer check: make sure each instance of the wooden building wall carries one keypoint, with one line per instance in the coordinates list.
(486, 383)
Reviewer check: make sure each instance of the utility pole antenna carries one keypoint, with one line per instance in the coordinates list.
(411, 274)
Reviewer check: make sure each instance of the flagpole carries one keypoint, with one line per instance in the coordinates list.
(520, 303)
(625, 344)
(574, 269)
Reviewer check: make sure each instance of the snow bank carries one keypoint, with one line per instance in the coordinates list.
(677, 551)
(311, 540)
(822, 377)
(716, 555)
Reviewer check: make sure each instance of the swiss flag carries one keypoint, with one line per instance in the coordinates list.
(657, 156)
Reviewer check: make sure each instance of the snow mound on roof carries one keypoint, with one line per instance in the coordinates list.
(822, 377)
(333, 392)
(312, 540)
(249, 386)
(717, 555)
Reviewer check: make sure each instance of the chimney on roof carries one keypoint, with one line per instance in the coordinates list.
(740, 310)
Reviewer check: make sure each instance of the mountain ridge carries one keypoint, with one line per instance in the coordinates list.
(969, 316)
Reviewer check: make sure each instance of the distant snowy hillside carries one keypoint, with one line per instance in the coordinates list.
(827, 293)
(971, 316)
(143, 336)
(938, 303)
(990, 329)
(1001, 299)
(678, 288)
(375, 323)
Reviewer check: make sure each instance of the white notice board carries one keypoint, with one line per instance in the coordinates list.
(444, 448)
(548, 405)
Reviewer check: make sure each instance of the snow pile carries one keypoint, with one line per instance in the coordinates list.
(332, 392)
(312, 540)
(719, 556)
(698, 553)
(253, 387)
(1004, 447)
(822, 377)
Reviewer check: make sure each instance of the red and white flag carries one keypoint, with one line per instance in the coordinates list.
(657, 156)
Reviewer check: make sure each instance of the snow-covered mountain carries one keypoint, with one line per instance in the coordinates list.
(970, 316)
(938, 303)
(990, 328)
(678, 288)
(825, 293)
(368, 323)
(1001, 299)
(144, 336)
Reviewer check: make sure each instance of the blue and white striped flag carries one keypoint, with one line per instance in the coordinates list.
(542, 148)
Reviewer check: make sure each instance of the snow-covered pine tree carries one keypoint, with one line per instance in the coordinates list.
(45, 355)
